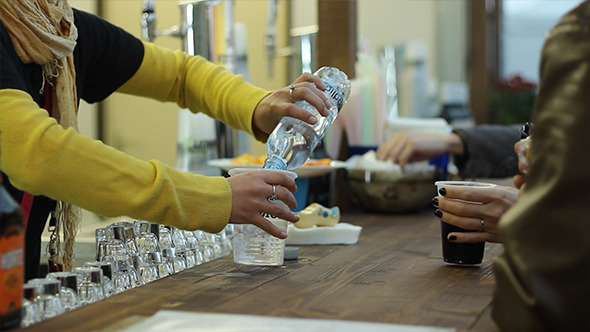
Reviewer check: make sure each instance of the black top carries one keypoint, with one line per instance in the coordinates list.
(105, 57)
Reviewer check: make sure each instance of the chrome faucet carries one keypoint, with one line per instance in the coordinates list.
(148, 23)
(148, 20)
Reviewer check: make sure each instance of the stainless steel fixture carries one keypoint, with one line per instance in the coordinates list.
(207, 29)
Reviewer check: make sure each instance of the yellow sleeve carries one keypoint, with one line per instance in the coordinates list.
(197, 84)
(42, 158)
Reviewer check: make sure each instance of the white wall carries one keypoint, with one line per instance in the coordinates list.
(525, 27)
(440, 24)
(147, 129)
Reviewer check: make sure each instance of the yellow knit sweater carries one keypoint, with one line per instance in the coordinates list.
(42, 158)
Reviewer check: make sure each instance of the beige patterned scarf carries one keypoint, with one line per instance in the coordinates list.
(43, 32)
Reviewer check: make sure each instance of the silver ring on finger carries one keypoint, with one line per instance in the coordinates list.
(291, 88)
(483, 226)
(273, 196)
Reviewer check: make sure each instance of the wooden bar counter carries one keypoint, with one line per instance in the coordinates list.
(394, 274)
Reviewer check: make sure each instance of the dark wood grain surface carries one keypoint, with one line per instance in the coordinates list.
(394, 274)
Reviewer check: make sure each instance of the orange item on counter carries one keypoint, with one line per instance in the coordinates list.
(12, 236)
(318, 162)
(248, 159)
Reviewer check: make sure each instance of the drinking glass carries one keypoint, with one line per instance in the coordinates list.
(47, 300)
(145, 271)
(254, 246)
(90, 284)
(134, 277)
(205, 244)
(165, 238)
(68, 291)
(189, 257)
(215, 240)
(193, 244)
(130, 241)
(180, 241)
(226, 236)
(100, 235)
(112, 250)
(121, 282)
(178, 263)
(107, 275)
(117, 253)
(123, 231)
(30, 309)
(146, 240)
(163, 266)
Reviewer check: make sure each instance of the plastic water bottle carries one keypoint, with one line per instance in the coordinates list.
(292, 141)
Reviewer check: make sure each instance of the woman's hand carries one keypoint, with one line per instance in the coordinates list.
(280, 103)
(404, 148)
(523, 150)
(250, 198)
(495, 202)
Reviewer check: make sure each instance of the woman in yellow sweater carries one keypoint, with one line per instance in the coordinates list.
(51, 56)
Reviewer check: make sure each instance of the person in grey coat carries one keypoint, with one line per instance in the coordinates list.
(484, 151)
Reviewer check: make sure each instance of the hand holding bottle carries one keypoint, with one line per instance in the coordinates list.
(280, 103)
(293, 140)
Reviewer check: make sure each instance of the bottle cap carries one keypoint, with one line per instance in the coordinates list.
(291, 253)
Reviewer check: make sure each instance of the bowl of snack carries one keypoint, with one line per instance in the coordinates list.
(378, 186)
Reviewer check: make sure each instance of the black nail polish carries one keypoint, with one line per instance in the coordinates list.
(438, 213)
(452, 238)
(442, 191)
(435, 201)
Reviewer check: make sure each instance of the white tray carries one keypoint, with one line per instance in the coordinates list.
(302, 172)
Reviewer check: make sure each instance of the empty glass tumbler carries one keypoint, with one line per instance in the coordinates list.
(254, 246)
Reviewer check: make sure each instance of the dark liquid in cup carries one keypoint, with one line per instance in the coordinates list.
(460, 253)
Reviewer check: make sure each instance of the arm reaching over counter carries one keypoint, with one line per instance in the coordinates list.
(63, 55)
(481, 151)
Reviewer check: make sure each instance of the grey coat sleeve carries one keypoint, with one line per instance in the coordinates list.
(488, 151)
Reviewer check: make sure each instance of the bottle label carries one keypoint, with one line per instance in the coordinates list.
(11, 259)
(334, 94)
(11, 269)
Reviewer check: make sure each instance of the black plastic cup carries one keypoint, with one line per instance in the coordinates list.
(460, 253)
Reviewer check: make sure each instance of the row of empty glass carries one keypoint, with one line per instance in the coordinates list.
(128, 254)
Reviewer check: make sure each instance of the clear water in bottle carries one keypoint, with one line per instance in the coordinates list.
(292, 141)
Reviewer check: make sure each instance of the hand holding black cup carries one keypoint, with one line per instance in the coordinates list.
(461, 253)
